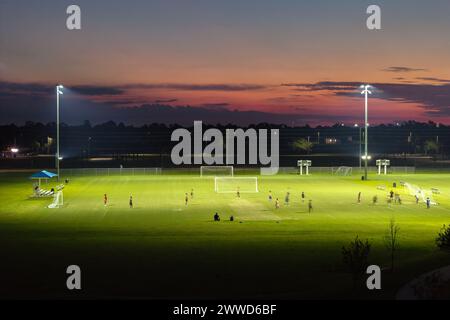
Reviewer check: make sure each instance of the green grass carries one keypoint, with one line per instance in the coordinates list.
(164, 249)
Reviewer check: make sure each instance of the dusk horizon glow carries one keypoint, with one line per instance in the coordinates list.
(295, 62)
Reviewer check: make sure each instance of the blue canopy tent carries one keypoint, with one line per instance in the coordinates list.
(43, 175)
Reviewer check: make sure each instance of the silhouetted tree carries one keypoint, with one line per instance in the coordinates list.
(303, 145)
(391, 240)
(431, 147)
(443, 238)
(355, 257)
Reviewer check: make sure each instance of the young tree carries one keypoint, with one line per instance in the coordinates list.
(391, 240)
(303, 145)
(355, 257)
(443, 238)
(431, 147)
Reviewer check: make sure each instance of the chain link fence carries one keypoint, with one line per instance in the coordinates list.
(109, 172)
(78, 172)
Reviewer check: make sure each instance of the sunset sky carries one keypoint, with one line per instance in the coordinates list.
(246, 61)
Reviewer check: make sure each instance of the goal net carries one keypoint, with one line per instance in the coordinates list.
(216, 171)
(58, 200)
(420, 193)
(235, 184)
(342, 171)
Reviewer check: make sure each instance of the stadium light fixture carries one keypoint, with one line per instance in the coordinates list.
(14, 150)
(365, 92)
(58, 93)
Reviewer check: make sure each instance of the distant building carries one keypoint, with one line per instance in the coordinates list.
(331, 141)
(10, 153)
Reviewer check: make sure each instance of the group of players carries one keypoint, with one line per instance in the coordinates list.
(393, 197)
(287, 200)
(130, 201)
(270, 197)
(190, 196)
(105, 201)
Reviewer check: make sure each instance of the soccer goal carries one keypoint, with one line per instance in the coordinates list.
(420, 193)
(58, 200)
(343, 171)
(216, 171)
(235, 184)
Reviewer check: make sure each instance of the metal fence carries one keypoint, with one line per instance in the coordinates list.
(355, 170)
(399, 170)
(193, 170)
(109, 172)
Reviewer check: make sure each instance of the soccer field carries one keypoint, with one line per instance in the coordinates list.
(163, 248)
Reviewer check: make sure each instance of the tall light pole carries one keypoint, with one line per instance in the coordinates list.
(437, 133)
(360, 155)
(58, 93)
(366, 92)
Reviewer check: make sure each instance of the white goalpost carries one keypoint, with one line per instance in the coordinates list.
(58, 200)
(214, 171)
(420, 193)
(235, 184)
(342, 171)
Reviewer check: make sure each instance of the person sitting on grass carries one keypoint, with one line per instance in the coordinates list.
(231, 218)
(216, 217)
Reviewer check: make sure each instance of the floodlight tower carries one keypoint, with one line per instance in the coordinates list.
(366, 92)
(58, 93)
(359, 128)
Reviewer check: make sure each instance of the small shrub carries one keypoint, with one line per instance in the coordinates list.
(443, 238)
(355, 257)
